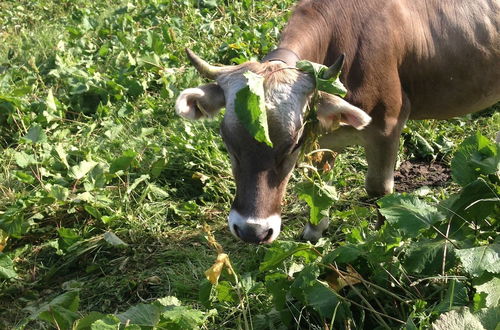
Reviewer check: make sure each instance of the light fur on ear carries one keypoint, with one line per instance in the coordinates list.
(332, 109)
(203, 101)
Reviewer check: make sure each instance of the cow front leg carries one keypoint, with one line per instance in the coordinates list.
(381, 154)
(381, 141)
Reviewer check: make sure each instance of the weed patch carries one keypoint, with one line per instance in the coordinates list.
(104, 191)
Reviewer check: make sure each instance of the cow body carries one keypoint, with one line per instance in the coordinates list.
(405, 59)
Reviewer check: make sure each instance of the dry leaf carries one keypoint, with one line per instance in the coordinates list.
(3, 239)
(337, 282)
(213, 273)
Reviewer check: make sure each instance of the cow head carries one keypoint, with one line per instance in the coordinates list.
(261, 172)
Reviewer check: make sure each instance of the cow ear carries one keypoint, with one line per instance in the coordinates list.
(203, 101)
(333, 109)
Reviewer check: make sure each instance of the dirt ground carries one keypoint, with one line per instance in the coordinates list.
(412, 175)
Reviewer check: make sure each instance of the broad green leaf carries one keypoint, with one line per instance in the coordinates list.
(489, 317)
(14, 223)
(318, 196)
(426, 256)
(24, 177)
(6, 267)
(492, 290)
(23, 159)
(79, 88)
(123, 163)
(315, 69)
(86, 322)
(67, 237)
(108, 322)
(461, 319)
(59, 192)
(480, 259)
(97, 176)
(324, 300)
(79, 171)
(181, 318)
(59, 149)
(306, 278)
(250, 108)
(60, 311)
(204, 293)
(476, 155)
(331, 86)
(343, 254)
(456, 295)
(225, 292)
(50, 102)
(35, 134)
(141, 314)
(408, 213)
(92, 211)
(59, 316)
(475, 202)
(114, 240)
(157, 167)
(137, 181)
(209, 3)
(279, 251)
(278, 285)
(479, 300)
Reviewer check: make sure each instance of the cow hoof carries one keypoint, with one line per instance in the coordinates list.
(313, 233)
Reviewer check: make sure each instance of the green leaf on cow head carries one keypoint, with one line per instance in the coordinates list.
(250, 108)
(332, 85)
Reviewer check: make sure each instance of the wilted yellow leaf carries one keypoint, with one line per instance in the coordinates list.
(213, 273)
(3, 239)
(211, 239)
(337, 282)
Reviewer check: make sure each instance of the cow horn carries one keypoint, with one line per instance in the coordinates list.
(205, 69)
(335, 68)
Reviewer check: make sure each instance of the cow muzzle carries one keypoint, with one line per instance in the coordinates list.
(254, 230)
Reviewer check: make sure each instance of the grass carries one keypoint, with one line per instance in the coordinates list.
(115, 70)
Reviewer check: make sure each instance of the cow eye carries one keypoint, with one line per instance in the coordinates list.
(298, 144)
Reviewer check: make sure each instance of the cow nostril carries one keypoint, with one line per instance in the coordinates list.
(236, 231)
(268, 236)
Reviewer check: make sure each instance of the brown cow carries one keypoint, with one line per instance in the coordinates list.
(405, 59)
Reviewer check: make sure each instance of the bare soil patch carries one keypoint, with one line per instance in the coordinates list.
(412, 175)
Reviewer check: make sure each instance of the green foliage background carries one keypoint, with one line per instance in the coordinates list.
(103, 189)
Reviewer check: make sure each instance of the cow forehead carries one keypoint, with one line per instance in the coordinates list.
(286, 93)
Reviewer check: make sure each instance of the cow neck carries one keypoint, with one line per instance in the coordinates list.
(284, 55)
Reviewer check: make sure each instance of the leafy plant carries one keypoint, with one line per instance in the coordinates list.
(423, 252)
